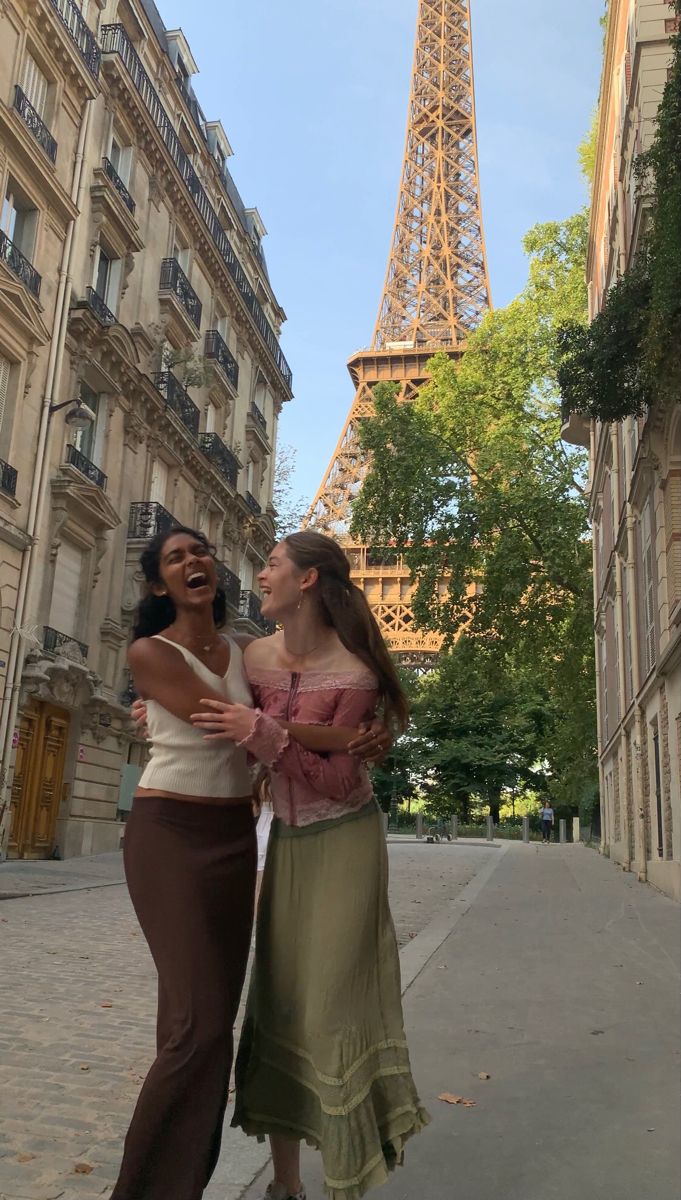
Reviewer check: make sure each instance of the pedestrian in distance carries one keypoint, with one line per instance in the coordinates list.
(547, 820)
(323, 1055)
(190, 863)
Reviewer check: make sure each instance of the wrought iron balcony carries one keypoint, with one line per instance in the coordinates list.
(78, 460)
(116, 41)
(83, 37)
(33, 121)
(249, 609)
(253, 503)
(258, 418)
(102, 312)
(147, 518)
(111, 172)
(19, 265)
(220, 455)
(177, 399)
(216, 348)
(129, 693)
(54, 641)
(8, 479)
(173, 279)
(230, 584)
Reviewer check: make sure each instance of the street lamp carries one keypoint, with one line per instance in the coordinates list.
(79, 417)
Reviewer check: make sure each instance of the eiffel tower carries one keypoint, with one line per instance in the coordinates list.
(436, 289)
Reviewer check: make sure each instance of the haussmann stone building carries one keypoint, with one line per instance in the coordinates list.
(141, 380)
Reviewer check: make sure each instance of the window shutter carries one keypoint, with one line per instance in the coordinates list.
(65, 615)
(648, 588)
(159, 482)
(4, 384)
(34, 85)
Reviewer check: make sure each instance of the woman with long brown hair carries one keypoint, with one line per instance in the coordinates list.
(190, 863)
(323, 1055)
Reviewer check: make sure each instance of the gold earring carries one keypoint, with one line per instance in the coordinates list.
(300, 600)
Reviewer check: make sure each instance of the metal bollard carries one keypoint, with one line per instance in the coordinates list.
(526, 829)
(419, 826)
(576, 834)
(455, 828)
(385, 823)
(490, 829)
(563, 830)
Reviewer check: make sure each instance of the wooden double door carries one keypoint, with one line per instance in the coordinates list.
(38, 780)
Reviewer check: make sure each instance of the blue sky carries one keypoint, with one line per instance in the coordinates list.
(313, 97)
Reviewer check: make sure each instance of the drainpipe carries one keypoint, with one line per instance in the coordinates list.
(17, 652)
(620, 634)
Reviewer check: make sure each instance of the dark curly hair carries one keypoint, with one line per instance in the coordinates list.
(155, 613)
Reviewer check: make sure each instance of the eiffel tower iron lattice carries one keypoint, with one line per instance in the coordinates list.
(436, 289)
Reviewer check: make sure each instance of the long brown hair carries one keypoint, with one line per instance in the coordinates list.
(344, 606)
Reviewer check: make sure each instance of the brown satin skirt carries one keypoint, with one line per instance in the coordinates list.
(191, 870)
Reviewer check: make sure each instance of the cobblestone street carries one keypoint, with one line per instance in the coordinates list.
(77, 1005)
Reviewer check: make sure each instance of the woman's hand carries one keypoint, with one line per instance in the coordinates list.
(229, 722)
(138, 713)
(373, 743)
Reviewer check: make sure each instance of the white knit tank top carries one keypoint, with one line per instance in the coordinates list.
(180, 760)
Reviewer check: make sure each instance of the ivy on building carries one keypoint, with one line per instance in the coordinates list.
(629, 357)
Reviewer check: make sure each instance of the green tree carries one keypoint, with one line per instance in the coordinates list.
(473, 484)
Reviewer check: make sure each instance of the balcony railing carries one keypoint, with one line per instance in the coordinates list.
(78, 460)
(216, 348)
(102, 312)
(230, 584)
(177, 399)
(249, 608)
(8, 479)
(253, 503)
(220, 455)
(147, 518)
(33, 121)
(19, 265)
(258, 418)
(54, 641)
(83, 37)
(112, 174)
(116, 41)
(129, 692)
(173, 279)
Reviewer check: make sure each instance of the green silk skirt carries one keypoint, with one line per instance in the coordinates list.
(323, 1055)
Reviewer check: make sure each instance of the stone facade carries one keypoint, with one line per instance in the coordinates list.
(635, 490)
(135, 298)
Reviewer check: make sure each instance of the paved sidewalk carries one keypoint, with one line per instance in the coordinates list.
(77, 1008)
(26, 878)
(560, 980)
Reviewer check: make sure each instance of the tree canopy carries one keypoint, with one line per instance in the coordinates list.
(472, 483)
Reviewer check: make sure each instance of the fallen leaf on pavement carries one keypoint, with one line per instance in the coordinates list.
(106, 1004)
(484, 1075)
(84, 1067)
(83, 1168)
(25, 1157)
(450, 1099)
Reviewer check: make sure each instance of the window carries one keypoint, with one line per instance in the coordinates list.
(211, 421)
(222, 326)
(181, 254)
(65, 610)
(108, 279)
(90, 441)
(604, 688)
(629, 663)
(35, 86)
(19, 219)
(4, 387)
(159, 482)
(648, 587)
(120, 157)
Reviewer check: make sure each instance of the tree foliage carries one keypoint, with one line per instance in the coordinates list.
(473, 484)
(630, 355)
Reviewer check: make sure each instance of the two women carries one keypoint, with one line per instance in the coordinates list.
(323, 1055)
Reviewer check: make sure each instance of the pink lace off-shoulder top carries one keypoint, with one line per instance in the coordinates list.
(309, 787)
